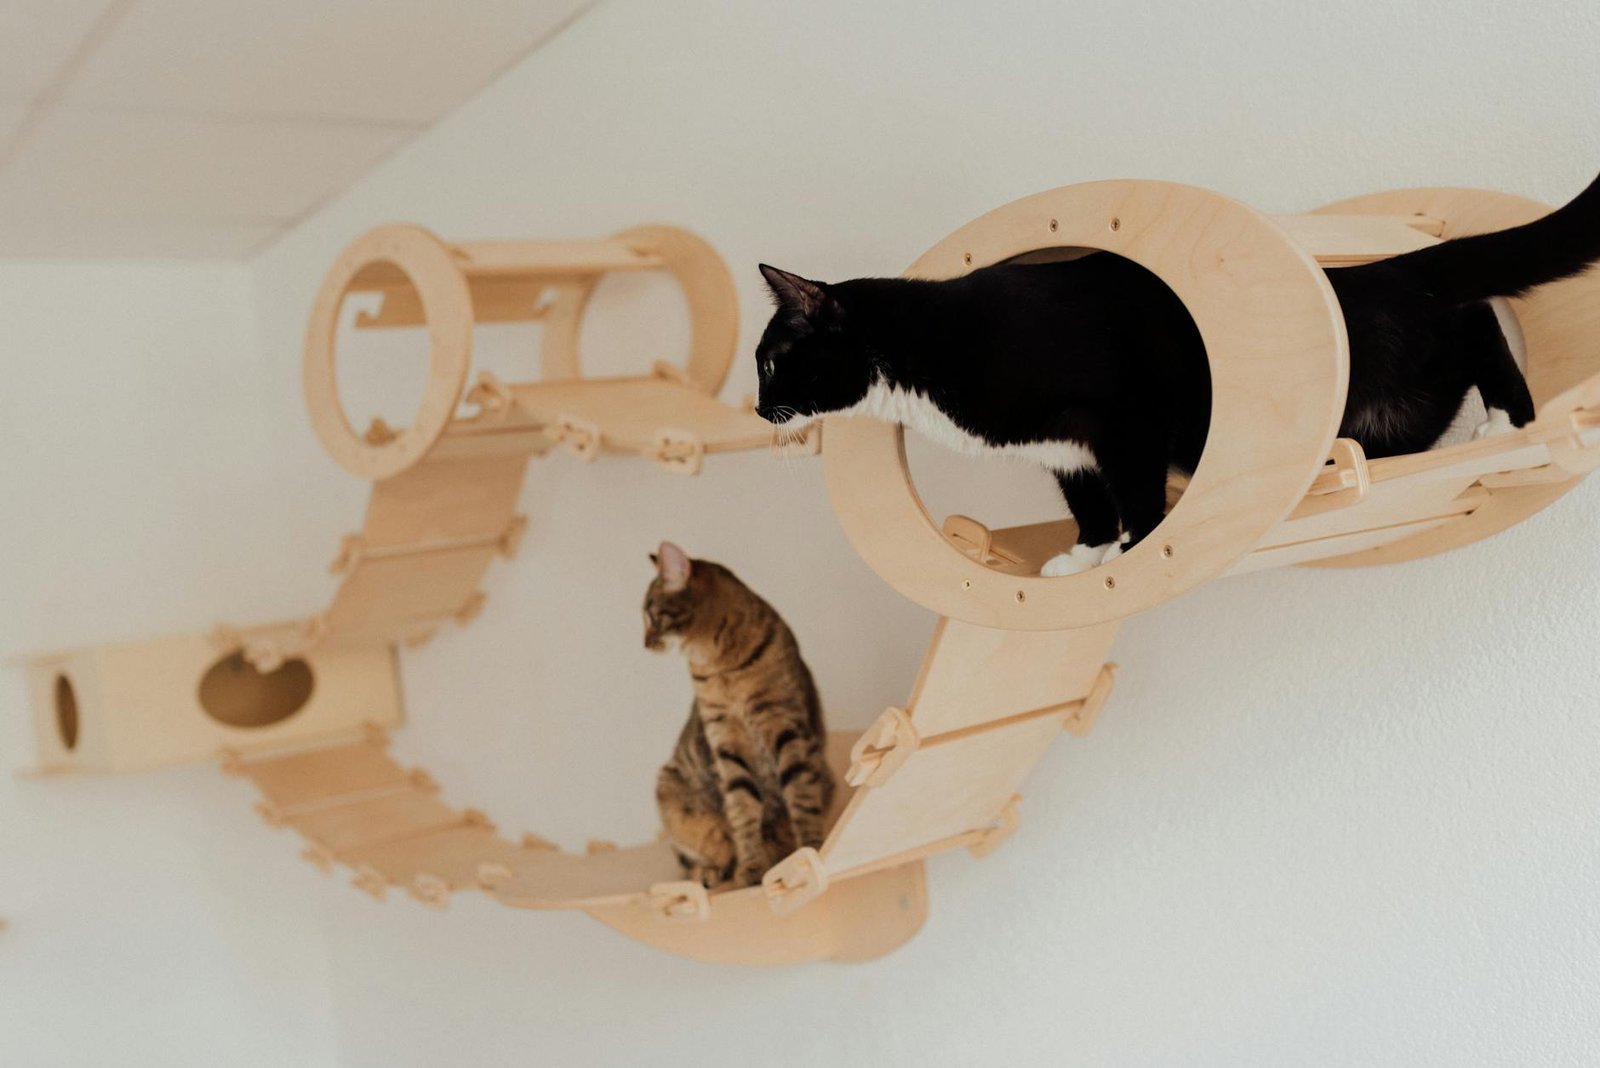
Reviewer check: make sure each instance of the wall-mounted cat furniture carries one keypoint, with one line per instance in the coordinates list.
(1014, 657)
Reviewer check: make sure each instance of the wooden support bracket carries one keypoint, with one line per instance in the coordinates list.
(795, 880)
(1081, 721)
(680, 451)
(882, 749)
(578, 436)
(1005, 826)
(681, 899)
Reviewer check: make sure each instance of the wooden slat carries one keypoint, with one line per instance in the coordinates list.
(1347, 240)
(560, 259)
(976, 674)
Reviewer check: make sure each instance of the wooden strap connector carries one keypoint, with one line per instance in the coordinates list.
(1345, 480)
(682, 899)
(1081, 721)
(379, 433)
(882, 748)
(679, 451)
(970, 536)
(578, 436)
(370, 880)
(795, 880)
(429, 889)
(492, 397)
(319, 856)
(1005, 825)
(493, 876)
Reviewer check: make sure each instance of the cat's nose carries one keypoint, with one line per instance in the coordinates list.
(767, 412)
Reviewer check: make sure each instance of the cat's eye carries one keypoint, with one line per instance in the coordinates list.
(766, 368)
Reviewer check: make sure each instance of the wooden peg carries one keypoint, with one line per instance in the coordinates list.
(493, 398)
(679, 451)
(471, 608)
(580, 437)
(671, 372)
(795, 880)
(1081, 721)
(492, 876)
(533, 841)
(882, 749)
(511, 537)
(379, 433)
(319, 857)
(351, 548)
(430, 889)
(1005, 826)
(681, 899)
(370, 880)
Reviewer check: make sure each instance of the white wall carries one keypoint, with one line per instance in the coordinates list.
(1329, 818)
(148, 918)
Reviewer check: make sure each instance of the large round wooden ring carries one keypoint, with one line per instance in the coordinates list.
(1279, 366)
(399, 255)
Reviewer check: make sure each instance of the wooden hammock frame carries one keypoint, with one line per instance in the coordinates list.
(1015, 658)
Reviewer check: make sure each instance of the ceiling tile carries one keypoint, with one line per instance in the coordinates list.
(404, 61)
(37, 37)
(82, 237)
(143, 166)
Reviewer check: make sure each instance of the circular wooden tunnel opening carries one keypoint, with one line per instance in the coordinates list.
(999, 491)
(382, 366)
(66, 701)
(233, 692)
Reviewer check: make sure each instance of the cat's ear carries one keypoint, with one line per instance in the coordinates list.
(672, 564)
(799, 295)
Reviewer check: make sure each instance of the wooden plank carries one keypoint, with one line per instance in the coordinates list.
(942, 792)
(558, 259)
(1347, 240)
(976, 674)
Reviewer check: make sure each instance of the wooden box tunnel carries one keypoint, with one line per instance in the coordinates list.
(1014, 658)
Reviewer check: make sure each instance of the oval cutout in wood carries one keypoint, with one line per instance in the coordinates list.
(234, 693)
(66, 712)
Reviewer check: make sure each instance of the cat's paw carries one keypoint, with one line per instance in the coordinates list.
(1499, 422)
(748, 874)
(1079, 558)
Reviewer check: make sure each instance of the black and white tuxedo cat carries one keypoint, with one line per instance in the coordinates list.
(1093, 368)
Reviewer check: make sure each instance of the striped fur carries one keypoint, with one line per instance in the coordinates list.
(748, 782)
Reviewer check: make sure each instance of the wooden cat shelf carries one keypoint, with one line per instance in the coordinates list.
(1015, 658)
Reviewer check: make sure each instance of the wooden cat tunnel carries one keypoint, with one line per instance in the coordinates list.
(300, 708)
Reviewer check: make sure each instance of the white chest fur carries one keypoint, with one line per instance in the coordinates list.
(917, 412)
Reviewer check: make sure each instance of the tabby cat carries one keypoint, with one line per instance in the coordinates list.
(1094, 369)
(748, 782)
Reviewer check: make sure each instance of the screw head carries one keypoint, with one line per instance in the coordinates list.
(1111, 583)
(1116, 223)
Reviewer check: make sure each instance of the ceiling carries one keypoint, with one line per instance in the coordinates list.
(203, 128)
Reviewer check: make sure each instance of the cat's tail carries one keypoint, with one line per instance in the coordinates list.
(1508, 262)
